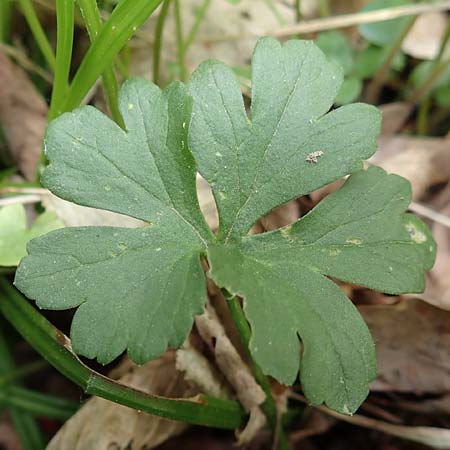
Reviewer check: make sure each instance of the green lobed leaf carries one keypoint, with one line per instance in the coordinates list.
(358, 234)
(254, 165)
(146, 172)
(138, 289)
(14, 233)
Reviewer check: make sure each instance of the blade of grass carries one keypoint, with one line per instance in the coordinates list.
(54, 346)
(125, 19)
(123, 63)
(38, 33)
(22, 372)
(298, 11)
(26, 427)
(65, 29)
(38, 404)
(5, 20)
(158, 40)
(93, 22)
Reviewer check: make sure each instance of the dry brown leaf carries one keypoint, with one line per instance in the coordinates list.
(234, 369)
(207, 203)
(437, 291)
(394, 116)
(425, 162)
(433, 437)
(103, 425)
(198, 370)
(73, 215)
(425, 37)
(23, 116)
(316, 423)
(413, 347)
(281, 216)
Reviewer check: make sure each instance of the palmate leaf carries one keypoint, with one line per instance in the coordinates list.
(139, 289)
(358, 234)
(256, 164)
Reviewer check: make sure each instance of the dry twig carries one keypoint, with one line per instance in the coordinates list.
(342, 21)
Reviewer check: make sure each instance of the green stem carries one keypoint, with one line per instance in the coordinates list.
(374, 88)
(38, 404)
(65, 29)
(435, 74)
(425, 105)
(324, 8)
(180, 42)
(93, 22)
(422, 116)
(38, 33)
(54, 346)
(126, 17)
(196, 26)
(278, 16)
(25, 425)
(298, 11)
(158, 40)
(444, 43)
(123, 64)
(244, 331)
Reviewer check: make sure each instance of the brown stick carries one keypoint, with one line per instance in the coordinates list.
(341, 21)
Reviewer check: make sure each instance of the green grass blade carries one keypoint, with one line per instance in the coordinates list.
(38, 33)
(65, 29)
(93, 22)
(5, 20)
(26, 427)
(38, 404)
(126, 18)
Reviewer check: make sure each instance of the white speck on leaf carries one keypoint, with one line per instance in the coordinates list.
(313, 156)
(354, 241)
